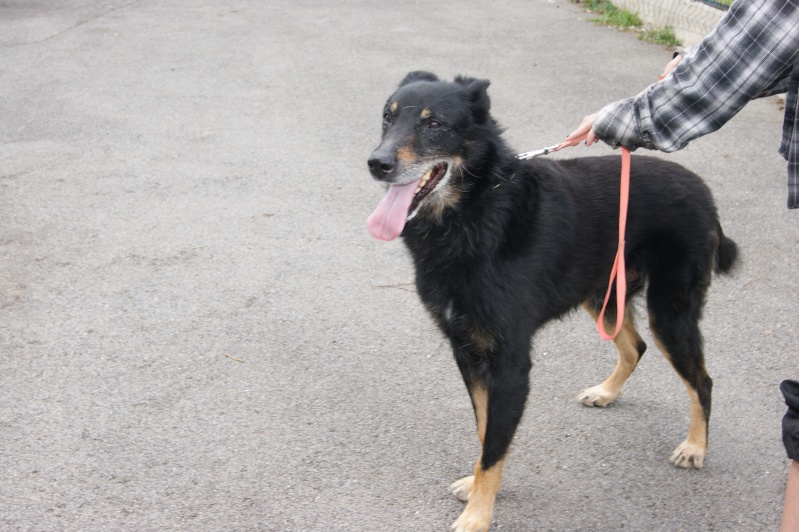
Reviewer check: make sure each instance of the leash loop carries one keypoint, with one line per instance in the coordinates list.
(619, 272)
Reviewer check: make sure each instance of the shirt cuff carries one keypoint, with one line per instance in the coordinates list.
(616, 125)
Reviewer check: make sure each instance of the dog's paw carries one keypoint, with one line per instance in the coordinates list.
(462, 488)
(598, 396)
(472, 521)
(688, 455)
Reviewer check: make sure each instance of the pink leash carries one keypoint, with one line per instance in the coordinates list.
(618, 273)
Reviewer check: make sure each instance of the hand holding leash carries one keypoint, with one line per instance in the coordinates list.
(585, 131)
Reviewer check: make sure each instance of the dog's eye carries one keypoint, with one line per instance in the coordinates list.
(433, 124)
(387, 118)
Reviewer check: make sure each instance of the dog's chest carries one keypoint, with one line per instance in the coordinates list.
(456, 301)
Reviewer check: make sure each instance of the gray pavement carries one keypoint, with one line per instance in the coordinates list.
(198, 333)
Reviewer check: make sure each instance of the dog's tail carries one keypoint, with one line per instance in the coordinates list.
(726, 253)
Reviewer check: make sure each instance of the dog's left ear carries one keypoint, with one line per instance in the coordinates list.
(477, 90)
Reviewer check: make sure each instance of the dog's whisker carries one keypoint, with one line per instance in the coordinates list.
(466, 169)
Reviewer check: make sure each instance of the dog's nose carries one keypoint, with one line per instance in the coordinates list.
(381, 164)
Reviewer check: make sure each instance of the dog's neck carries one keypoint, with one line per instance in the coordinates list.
(488, 199)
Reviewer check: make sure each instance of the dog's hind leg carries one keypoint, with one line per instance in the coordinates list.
(674, 312)
(630, 348)
(685, 355)
(498, 398)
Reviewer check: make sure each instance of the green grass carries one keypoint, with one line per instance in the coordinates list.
(610, 15)
(664, 36)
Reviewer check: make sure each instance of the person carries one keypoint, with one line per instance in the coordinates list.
(790, 437)
(752, 52)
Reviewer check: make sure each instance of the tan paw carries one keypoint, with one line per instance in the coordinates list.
(472, 521)
(688, 455)
(598, 396)
(462, 488)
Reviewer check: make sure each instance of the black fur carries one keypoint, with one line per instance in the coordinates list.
(519, 243)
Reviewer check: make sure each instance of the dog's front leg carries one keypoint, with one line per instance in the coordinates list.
(498, 397)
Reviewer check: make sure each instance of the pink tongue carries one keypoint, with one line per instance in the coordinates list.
(388, 219)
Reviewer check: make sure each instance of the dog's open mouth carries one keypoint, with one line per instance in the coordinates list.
(427, 184)
(400, 203)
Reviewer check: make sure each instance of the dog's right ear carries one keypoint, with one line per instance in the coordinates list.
(418, 75)
(477, 90)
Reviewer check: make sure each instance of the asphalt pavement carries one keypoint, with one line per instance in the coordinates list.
(198, 333)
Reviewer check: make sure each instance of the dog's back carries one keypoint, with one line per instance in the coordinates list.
(668, 204)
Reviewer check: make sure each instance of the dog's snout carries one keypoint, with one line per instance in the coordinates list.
(381, 164)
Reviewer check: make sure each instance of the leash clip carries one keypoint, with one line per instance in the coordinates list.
(536, 153)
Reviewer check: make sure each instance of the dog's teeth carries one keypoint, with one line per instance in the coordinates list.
(422, 182)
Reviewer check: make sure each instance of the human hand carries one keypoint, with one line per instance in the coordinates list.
(585, 131)
(670, 66)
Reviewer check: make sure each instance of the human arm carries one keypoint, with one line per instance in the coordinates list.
(585, 130)
(790, 436)
(748, 55)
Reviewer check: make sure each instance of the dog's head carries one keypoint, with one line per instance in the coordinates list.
(430, 128)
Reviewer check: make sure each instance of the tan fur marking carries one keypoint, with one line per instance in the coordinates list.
(406, 155)
(481, 338)
(480, 489)
(691, 452)
(480, 402)
(627, 346)
(426, 112)
(697, 431)
(485, 485)
(393, 107)
(435, 204)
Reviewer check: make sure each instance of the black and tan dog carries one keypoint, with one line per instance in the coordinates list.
(502, 246)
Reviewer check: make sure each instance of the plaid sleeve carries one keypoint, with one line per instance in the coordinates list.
(789, 148)
(747, 55)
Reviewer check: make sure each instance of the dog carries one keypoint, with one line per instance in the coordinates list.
(501, 246)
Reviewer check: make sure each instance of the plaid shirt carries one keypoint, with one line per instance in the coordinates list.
(753, 52)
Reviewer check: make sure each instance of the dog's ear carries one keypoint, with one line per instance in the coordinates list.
(418, 75)
(477, 91)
